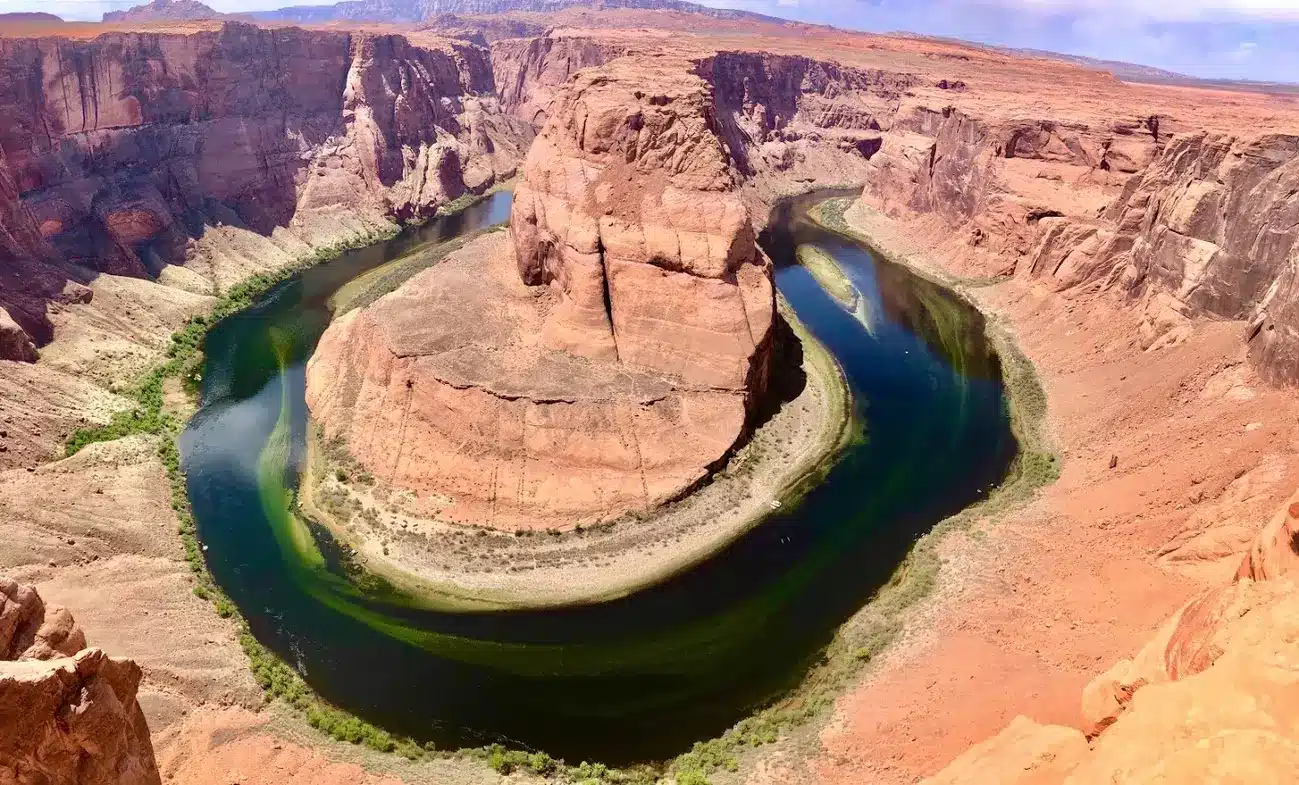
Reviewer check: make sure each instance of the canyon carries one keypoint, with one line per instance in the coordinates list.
(1139, 245)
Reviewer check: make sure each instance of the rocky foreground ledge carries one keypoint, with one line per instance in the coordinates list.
(69, 713)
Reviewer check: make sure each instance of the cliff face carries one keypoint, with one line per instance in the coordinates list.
(118, 151)
(623, 329)
(1190, 224)
(628, 208)
(69, 713)
(530, 71)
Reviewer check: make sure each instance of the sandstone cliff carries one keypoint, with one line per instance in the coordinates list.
(69, 713)
(621, 333)
(1189, 223)
(627, 371)
(120, 151)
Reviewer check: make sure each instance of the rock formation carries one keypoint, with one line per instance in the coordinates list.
(120, 150)
(1191, 223)
(619, 340)
(68, 713)
(1210, 694)
(627, 370)
(163, 11)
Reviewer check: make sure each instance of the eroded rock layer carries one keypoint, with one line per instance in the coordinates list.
(69, 713)
(622, 330)
(1189, 223)
(117, 152)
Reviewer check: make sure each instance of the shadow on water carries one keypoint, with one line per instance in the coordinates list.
(643, 677)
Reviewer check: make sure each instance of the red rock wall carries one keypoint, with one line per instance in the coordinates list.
(628, 208)
(1191, 223)
(69, 713)
(118, 150)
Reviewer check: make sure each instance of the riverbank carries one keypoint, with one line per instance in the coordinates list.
(1021, 615)
(117, 540)
(453, 567)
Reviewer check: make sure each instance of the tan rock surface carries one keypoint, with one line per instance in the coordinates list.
(1117, 386)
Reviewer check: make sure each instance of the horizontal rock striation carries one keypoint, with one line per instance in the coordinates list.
(623, 330)
(69, 713)
(1189, 223)
(117, 152)
(619, 363)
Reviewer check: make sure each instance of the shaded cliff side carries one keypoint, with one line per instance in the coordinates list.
(118, 152)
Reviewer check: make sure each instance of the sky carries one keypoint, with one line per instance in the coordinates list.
(1233, 39)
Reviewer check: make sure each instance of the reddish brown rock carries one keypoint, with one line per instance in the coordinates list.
(489, 425)
(627, 209)
(67, 714)
(622, 330)
(121, 149)
(15, 343)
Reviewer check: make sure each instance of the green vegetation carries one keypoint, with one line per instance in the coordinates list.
(881, 620)
(858, 643)
(829, 275)
(185, 361)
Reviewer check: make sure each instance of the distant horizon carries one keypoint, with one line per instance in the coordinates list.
(1208, 39)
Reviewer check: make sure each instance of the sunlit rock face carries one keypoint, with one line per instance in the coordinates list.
(118, 152)
(620, 332)
(68, 714)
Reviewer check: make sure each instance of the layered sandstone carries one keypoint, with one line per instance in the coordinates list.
(621, 333)
(69, 714)
(121, 152)
(1211, 695)
(1187, 222)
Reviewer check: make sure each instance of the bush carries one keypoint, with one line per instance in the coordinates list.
(541, 763)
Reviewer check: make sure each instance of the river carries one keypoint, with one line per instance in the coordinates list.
(641, 678)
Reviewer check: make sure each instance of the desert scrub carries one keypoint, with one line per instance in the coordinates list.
(147, 416)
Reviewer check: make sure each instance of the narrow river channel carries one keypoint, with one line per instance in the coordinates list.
(641, 678)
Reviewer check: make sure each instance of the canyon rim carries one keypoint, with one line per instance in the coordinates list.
(607, 356)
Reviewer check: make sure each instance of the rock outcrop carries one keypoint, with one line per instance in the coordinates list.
(1212, 694)
(69, 714)
(623, 330)
(121, 150)
(163, 11)
(1190, 223)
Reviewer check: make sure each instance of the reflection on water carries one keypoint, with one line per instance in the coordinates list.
(638, 678)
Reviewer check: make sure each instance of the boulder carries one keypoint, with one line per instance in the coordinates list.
(15, 343)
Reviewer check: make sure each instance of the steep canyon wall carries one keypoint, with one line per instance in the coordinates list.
(622, 354)
(118, 152)
(1186, 223)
